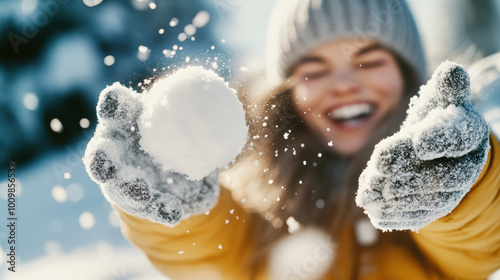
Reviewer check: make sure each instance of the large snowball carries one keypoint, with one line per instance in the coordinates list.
(192, 122)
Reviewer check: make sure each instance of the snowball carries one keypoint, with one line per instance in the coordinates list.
(192, 123)
(304, 255)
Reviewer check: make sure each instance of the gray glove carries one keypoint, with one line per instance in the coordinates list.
(422, 172)
(129, 177)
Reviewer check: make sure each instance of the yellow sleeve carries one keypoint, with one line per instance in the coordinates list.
(213, 246)
(465, 244)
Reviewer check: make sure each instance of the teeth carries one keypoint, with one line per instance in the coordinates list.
(351, 111)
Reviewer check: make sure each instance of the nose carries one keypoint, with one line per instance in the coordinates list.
(344, 83)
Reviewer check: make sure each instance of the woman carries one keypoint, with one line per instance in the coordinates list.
(346, 71)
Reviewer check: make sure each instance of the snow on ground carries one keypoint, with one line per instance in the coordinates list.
(97, 262)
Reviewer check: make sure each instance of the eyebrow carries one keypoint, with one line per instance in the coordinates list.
(369, 48)
(311, 59)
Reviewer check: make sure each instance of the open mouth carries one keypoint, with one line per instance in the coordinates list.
(352, 115)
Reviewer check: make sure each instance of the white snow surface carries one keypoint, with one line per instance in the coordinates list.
(421, 173)
(98, 262)
(306, 254)
(158, 155)
(192, 122)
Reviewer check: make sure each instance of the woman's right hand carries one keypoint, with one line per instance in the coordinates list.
(129, 177)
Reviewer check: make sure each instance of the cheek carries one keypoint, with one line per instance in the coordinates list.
(307, 97)
(388, 86)
(307, 103)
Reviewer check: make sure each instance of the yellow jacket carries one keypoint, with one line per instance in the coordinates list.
(462, 245)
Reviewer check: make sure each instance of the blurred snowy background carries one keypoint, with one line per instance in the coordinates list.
(57, 55)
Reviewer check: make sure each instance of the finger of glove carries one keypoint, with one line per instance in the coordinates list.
(454, 173)
(449, 85)
(166, 209)
(385, 217)
(405, 193)
(106, 154)
(388, 187)
(412, 212)
(450, 132)
(196, 196)
(119, 107)
(421, 202)
(452, 85)
(410, 219)
(371, 184)
(131, 190)
(101, 159)
(395, 155)
(439, 175)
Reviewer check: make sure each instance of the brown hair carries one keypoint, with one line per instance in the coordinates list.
(286, 167)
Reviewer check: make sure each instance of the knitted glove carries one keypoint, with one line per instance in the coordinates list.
(422, 172)
(136, 181)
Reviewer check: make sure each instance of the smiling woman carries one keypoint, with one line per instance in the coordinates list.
(344, 96)
(345, 72)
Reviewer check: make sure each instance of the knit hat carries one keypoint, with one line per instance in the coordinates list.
(298, 26)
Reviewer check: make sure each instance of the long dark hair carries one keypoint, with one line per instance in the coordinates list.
(286, 168)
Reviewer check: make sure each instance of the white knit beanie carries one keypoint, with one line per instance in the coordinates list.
(298, 26)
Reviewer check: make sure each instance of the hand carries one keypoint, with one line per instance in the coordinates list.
(422, 172)
(129, 177)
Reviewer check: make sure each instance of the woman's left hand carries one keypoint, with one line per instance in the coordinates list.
(421, 173)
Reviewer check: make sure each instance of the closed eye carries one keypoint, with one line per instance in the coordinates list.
(315, 75)
(371, 64)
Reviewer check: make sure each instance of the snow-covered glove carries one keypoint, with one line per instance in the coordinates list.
(157, 155)
(422, 172)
